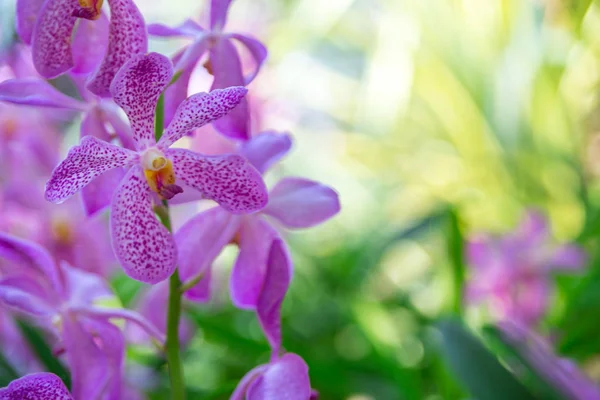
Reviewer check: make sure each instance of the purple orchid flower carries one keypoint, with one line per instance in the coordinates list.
(66, 302)
(143, 246)
(285, 376)
(39, 386)
(293, 202)
(223, 63)
(513, 273)
(48, 25)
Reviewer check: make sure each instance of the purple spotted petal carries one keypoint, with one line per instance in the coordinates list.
(91, 158)
(229, 179)
(192, 53)
(567, 257)
(199, 110)
(200, 241)
(275, 286)
(256, 49)
(38, 386)
(287, 378)
(143, 246)
(218, 13)
(27, 13)
(187, 28)
(227, 70)
(136, 89)
(266, 149)
(248, 274)
(51, 39)
(302, 203)
(127, 37)
(90, 42)
(37, 92)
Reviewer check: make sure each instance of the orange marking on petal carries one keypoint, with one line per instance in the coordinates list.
(162, 180)
(90, 9)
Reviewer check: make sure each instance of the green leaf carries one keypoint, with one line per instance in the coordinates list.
(455, 254)
(475, 367)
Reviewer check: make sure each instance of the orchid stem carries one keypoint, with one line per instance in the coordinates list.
(174, 306)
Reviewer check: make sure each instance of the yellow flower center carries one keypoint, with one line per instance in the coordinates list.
(61, 230)
(90, 9)
(159, 174)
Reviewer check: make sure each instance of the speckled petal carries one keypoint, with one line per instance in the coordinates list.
(256, 49)
(27, 13)
(199, 110)
(302, 203)
(143, 246)
(187, 28)
(287, 378)
(136, 89)
(229, 179)
(275, 286)
(227, 69)
(90, 42)
(91, 158)
(218, 13)
(127, 37)
(248, 273)
(51, 39)
(266, 149)
(38, 386)
(37, 92)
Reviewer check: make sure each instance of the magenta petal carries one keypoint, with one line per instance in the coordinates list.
(90, 42)
(27, 13)
(218, 13)
(91, 158)
(94, 124)
(248, 274)
(199, 110)
(192, 53)
(229, 179)
(187, 28)
(200, 241)
(301, 203)
(177, 92)
(266, 149)
(287, 378)
(51, 39)
(136, 89)
(126, 38)
(97, 195)
(143, 246)
(25, 295)
(275, 286)
(37, 92)
(38, 386)
(242, 387)
(227, 70)
(257, 50)
(567, 258)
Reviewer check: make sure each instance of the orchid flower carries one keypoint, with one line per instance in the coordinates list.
(67, 302)
(39, 386)
(513, 273)
(143, 246)
(285, 376)
(223, 63)
(293, 202)
(48, 26)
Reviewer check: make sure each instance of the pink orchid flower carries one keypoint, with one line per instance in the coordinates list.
(39, 386)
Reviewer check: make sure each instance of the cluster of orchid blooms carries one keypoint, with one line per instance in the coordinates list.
(112, 193)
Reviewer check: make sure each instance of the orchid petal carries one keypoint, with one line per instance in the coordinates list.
(37, 92)
(242, 387)
(121, 129)
(567, 258)
(287, 378)
(187, 28)
(84, 287)
(89, 44)
(177, 92)
(38, 386)
(229, 179)
(136, 89)
(248, 274)
(27, 13)
(126, 38)
(256, 49)
(218, 13)
(227, 70)
(191, 54)
(302, 203)
(91, 158)
(26, 295)
(275, 286)
(266, 149)
(199, 110)
(199, 242)
(143, 246)
(51, 38)
(93, 124)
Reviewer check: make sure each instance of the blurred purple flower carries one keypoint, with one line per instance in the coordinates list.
(39, 386)
(513, 272)
(66, 302)
(48, 26)
(143, 246)
(285, 376)
(223, 63)
(293, 202)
